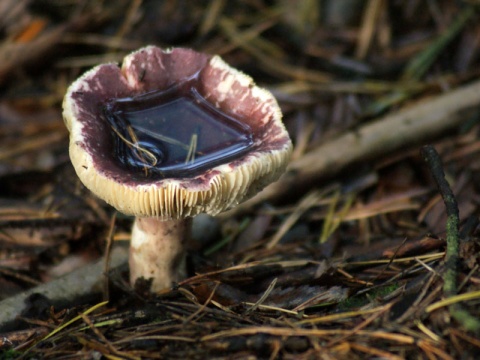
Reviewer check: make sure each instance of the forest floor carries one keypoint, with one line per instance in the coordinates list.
(367, 248)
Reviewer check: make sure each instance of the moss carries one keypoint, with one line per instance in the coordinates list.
(378, 292)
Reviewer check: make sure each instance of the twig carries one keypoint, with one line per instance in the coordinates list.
(434, 162)
(108, 250)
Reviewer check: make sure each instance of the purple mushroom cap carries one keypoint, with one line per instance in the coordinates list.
(176, 195)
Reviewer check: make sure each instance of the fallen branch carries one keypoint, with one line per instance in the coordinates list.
(77, 284)
(417, 123)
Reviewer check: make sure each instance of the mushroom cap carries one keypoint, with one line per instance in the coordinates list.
(214, 190)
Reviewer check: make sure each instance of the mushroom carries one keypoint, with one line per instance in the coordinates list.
(169, 135)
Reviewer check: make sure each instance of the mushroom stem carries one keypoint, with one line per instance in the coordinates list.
(157, 251)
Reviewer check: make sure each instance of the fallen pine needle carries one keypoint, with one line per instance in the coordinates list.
(453, 300)
(344, 315)
(76, 318)
(400, 338)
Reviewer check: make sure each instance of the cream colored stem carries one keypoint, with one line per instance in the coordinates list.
(157, 251)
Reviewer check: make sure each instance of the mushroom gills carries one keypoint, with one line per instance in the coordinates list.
(174, 133)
